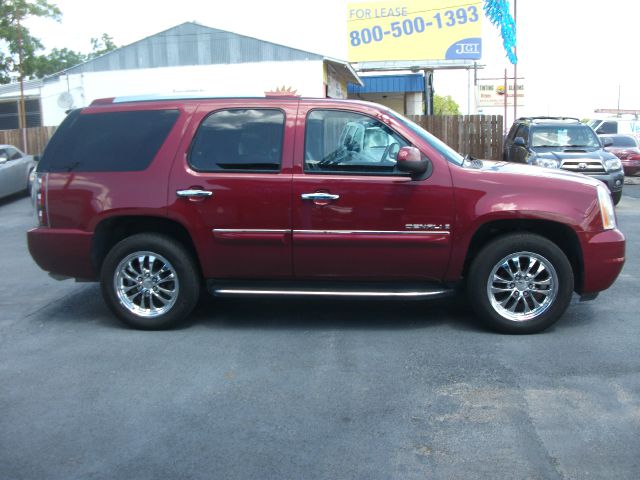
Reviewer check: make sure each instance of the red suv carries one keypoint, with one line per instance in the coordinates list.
(290, 196)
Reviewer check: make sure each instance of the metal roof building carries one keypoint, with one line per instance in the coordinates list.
(193, 44)
(189, 58)
(404, 93)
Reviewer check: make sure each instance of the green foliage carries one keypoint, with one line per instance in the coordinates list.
(61, 59)
(13, 33)
(16, 38)
(56, 61)
(101, 45)
(445, 106)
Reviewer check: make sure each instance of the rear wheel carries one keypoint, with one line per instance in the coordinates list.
(616, 196)
(150, 281)
(520, 283)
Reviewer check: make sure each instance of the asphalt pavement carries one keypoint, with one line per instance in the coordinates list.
(300, 389)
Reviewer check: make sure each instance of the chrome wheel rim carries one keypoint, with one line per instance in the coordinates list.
(146, 284)
(522, 286)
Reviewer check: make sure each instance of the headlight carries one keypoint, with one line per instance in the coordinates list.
(606, 208)
(546, 162)
(612, 164)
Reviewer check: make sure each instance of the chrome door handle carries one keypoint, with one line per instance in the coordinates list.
(319, 196)
(193, 193)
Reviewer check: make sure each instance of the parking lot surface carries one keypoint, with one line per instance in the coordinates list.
(350, 389)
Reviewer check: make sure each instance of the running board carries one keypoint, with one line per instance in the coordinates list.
(270, 289)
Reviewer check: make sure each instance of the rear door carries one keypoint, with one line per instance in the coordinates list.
(231, 187)
(355, 215)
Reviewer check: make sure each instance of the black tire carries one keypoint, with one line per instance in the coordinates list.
(616, 196)
(181, 263)
(494, 254)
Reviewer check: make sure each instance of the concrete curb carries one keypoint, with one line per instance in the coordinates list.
(635, 180)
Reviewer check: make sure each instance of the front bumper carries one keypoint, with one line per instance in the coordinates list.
(631, 167)
(603, 259)
(613, 180)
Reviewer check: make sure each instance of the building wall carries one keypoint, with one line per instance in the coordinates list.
(245, 79)
(395, 101)
(414, 103)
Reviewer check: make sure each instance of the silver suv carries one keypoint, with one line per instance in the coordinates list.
(565, 143)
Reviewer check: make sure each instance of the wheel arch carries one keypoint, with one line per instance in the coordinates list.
(560, 234)
(112, 230)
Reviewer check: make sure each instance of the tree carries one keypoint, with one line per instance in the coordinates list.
(445, 106)
(56, 61)
(64, 58)
(17, 55)
(101, 45)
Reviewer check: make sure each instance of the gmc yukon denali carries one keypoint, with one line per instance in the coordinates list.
(158, 198)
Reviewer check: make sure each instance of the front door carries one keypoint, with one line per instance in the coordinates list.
(355, 216)
(12, 171)
(232, 185)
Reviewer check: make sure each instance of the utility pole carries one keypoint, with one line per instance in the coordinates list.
(506, 95)
(22, 115)
(618, 100)
(515, 65)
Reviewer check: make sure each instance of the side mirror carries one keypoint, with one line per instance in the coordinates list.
(519, 141)
(607, 142)
(410, 160)
(36, 158)
(3, 159)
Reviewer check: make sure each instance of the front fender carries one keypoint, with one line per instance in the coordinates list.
(485, 201)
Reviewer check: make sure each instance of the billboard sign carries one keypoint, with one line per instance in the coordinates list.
(414, 30)
(492, 94)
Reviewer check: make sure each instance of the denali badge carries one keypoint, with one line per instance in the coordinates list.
(428, 226)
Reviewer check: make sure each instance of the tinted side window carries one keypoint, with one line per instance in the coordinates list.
(523, 132)
(337, 141)
(239, 140)
(113, 141)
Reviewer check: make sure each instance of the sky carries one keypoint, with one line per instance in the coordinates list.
(574, 55)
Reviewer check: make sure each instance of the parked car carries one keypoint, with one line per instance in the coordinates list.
(626, 148)
(563, 143)
(16, 170)
(272, 196)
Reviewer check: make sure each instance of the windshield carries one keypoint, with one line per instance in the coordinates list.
(594, 123)
(564, 136)
(447, 152)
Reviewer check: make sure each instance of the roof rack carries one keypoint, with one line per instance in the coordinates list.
(562, 119)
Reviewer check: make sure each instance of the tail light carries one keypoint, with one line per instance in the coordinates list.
(40, 200)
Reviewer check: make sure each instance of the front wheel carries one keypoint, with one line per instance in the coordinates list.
(520, 283)
(150, 281)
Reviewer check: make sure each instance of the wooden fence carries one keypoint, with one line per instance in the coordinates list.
(36, 137)
(477, 135)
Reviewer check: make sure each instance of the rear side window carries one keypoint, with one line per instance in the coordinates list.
(108, 142)
(239, 140)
